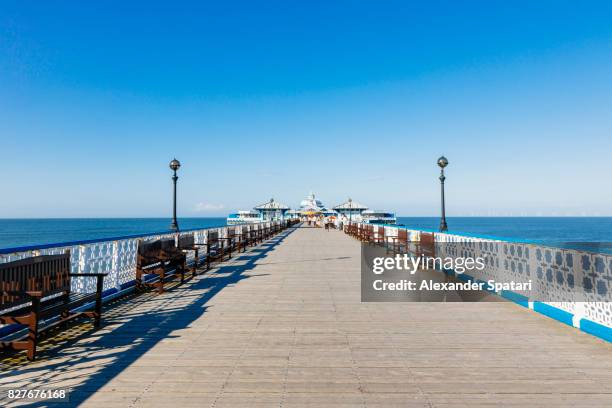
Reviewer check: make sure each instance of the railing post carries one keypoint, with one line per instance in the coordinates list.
(114, 272)
(78, 284)
(579, 312)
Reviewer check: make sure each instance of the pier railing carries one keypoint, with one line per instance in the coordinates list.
(560, 273)
(114, 256)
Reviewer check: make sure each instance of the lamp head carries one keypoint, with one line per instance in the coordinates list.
(175, 164)
(442, 162)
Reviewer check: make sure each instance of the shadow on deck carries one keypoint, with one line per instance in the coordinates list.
(128, 333)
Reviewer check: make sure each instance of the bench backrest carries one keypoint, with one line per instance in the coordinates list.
(149, 248)
(402, 235)
(381, 232)
(148, 253)
(187, 241)
(427, 243)
(213, 237)
(426, 238)
(49, 274)
(168, 245)
(153, 252)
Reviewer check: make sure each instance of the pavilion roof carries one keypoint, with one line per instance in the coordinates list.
(350, 205)
(272, 205)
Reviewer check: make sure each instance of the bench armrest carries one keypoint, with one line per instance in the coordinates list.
(149, 260)
(31, 293)
(88, 274)
(168, 255)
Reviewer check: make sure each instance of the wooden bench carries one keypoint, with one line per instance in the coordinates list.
(37, 289)
(159, 257)
(367, 234)
(238, 240)
(248, 235)
(214, 248)
(356, 231)
(361, 232)
(379, 236)
(230, 242)
(187, 244)
(399, 243)
(242, 238)
(265, 232)
(350, 229)
(254, 235)
(426, 245)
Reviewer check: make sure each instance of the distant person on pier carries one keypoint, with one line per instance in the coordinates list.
(342, 221)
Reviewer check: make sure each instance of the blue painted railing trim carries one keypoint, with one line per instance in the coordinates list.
(596, 329)
(563, 316)
(515, 297)
(463, 277)
(10, 329)
(560, 315)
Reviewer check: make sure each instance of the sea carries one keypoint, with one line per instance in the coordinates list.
(583, 233)
(588, 233)
(37, 231)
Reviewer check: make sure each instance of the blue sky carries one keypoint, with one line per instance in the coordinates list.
(279, 98)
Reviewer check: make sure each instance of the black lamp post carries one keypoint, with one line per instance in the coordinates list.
(350, 204)
(442, 162)
(174, 166)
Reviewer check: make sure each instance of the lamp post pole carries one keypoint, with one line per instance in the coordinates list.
(350, 203)
(442, 162)
(174, 166)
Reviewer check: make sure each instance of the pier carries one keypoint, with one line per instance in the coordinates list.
(283, 325)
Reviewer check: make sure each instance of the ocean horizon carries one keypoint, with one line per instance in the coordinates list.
(589, 233)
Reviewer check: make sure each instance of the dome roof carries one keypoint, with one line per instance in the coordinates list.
(311, 204)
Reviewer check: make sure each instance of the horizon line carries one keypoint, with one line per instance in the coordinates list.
(222, 216)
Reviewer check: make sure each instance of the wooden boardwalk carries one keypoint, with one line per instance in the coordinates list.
(283, 326)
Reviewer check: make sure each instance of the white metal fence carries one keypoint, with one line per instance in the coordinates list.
(560, 270)
(116, 257)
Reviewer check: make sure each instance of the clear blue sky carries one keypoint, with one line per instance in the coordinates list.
(279, 98)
